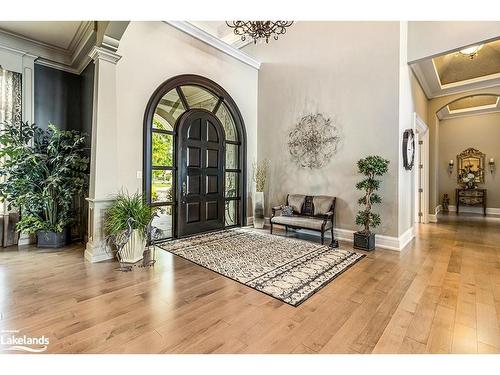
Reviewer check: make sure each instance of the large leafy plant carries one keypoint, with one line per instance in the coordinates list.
(124, 207)
(42, 171)
(370, 167)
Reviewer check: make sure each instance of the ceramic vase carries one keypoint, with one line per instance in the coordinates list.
(134, 248)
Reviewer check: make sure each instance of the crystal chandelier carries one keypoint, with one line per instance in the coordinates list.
(259, 29)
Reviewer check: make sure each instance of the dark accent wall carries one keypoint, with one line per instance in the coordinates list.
(87, 99)
(64, 99)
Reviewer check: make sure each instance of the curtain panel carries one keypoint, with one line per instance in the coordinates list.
(10, 112)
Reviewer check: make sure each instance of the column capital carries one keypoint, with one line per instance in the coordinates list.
(101, 53)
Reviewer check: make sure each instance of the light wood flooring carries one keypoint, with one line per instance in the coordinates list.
(440, 295)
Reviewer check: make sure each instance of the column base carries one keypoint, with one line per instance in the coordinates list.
(97, 252)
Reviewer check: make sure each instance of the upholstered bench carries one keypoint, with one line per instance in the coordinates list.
(307, 212)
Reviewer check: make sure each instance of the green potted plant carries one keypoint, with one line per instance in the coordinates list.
(43, 170)
(129, 213)
(370, 167)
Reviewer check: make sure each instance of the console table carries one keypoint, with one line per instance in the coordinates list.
(471, 197)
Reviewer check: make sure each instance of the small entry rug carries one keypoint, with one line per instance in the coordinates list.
(288, 269)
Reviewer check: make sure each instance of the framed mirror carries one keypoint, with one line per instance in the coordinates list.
(473, 159)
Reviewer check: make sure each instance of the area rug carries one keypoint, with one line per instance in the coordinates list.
(288, 269)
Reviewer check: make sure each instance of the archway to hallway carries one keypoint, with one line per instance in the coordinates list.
(467, 132)
(194, 157)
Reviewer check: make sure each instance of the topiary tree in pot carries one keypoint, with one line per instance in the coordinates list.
(370, 167)
(42, 171)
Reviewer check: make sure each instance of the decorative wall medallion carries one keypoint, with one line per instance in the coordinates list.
(313, 141)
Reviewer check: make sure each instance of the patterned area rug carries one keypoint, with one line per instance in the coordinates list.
(288, 269)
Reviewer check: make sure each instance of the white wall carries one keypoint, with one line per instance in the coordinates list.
(431, 38)
(346, 70)
(153, 52)
(406, 109)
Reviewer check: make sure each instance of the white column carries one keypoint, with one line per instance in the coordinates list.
(104, 182)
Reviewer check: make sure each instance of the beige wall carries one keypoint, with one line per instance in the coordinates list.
(435, 105)
(420, 101)
(153, 52)
(332, 68)
(481, 132)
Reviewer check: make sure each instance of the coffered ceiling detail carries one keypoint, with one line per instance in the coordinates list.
(454, 72)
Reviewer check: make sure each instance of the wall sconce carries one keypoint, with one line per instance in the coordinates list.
(450, 166)
(492, 165)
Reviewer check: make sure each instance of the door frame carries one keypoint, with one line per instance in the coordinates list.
(224, 97)
(422, 158)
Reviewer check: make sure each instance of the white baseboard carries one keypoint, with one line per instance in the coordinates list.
(475, 210)
(382, 241)
(433, 217)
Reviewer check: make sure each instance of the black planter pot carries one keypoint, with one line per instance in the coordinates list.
(52, 240)
(363, 241)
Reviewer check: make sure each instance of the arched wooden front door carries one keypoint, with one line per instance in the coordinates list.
(200, 173)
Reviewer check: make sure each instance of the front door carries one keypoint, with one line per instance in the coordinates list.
(200, 174)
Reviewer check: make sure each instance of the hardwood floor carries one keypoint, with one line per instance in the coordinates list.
(440, 295)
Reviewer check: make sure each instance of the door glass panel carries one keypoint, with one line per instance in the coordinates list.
(161, 190)
(168, 111)
(231, 184)
(231, 156)
(231, 213)
(198, 97)
(162, 149)
(227, 122)
(164, 221)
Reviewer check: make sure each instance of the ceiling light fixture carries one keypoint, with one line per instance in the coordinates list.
(471, 51)
(259, 29)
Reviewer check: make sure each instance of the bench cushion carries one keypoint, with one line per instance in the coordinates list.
(301, 221)
(322, 204)
(296, 201)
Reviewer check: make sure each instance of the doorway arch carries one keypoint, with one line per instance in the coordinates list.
(173, 101)
(436, 108)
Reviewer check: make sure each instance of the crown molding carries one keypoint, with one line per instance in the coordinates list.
(73, 59)
(217, 43)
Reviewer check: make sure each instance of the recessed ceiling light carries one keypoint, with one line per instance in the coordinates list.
(471, 51)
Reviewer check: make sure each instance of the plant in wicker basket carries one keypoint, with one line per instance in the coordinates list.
(370, 167)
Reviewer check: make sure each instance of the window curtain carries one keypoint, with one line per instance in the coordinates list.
(10, 112)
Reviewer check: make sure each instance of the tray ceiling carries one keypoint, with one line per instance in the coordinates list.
(454, 72)
(455, 67)
(471, 105)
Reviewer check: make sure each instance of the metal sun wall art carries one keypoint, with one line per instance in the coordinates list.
(313, 141)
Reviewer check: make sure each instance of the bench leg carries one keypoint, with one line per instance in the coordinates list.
(271, 227)
(334, 243)
(322, 236)
(286, 228)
